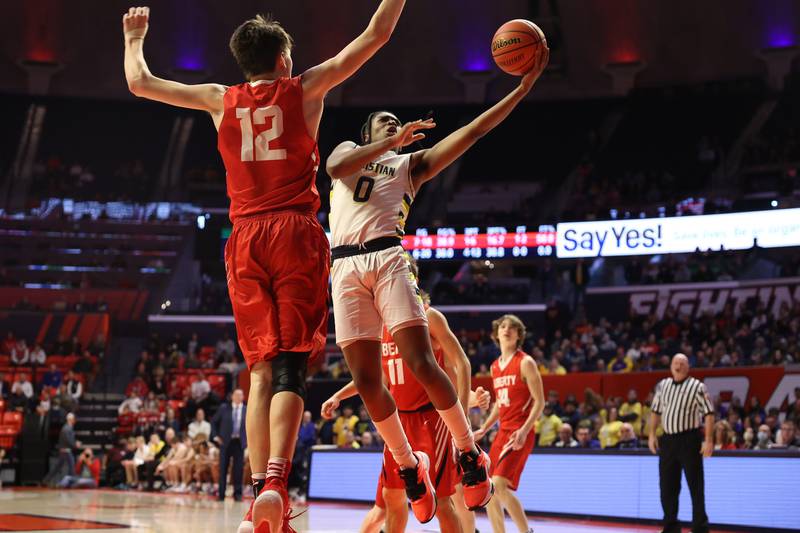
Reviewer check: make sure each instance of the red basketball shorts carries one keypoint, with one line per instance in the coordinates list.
(277, 266)
(509, 464)
(427, 433)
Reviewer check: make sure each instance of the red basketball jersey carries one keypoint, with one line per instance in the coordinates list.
(408, 393)
(513, 398)
(270, 159)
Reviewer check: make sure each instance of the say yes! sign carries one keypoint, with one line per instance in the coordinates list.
(647, 236)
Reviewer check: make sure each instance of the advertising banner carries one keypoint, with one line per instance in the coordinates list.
(692, 299)
(735, 231)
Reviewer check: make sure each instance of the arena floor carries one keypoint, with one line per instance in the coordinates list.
(100, 511)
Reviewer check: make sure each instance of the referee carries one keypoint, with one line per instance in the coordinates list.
(679, 404)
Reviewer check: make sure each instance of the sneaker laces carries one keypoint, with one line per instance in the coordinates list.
(473, 474)
(415, 489)
(287, 516)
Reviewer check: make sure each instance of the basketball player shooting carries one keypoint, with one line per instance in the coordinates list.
(422, 424)
(277, 258)
(373, 187)
(518, 405)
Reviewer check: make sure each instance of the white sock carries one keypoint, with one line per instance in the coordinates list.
(456, 422)
(278, 467)
(395, 438)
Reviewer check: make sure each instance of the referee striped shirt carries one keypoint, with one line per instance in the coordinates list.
(682, 405)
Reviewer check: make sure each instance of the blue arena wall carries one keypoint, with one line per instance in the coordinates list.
(752, 490)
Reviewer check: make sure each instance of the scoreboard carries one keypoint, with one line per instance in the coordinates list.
(472, 242)
(492, 242)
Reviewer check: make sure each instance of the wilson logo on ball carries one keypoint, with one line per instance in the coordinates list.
(502, 43)
(516, 45)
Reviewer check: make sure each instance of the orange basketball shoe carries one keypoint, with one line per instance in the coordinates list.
(420, 489)
(478, 486)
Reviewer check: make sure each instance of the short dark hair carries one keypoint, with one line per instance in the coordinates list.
(257, 43)
(366, 128)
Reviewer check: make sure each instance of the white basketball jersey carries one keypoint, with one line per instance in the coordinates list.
(373, 203)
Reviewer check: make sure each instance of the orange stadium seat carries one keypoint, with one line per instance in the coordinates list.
(13, 419)
(176, 405)
(178, 384)
(25, 373)
(8, 435)
(217, 382)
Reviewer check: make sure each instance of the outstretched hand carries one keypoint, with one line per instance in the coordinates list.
(410, 132)
(540, 63)
(135, 22)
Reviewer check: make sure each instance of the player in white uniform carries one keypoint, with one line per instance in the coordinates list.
(373, 187)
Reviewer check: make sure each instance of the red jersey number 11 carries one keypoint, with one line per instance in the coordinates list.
(259, 147)
(396, 376)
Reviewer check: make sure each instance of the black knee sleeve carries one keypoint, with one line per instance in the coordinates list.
(289, 373)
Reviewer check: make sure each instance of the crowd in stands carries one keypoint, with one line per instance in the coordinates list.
(751, 337)
(613, 423)
(167, 429)
(167, 460)
(703, 267)
(618, 423)
(52, 378)
(43, 385)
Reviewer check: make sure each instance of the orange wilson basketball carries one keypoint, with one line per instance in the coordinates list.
(515, 45)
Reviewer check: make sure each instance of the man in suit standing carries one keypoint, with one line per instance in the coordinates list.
(228, 430)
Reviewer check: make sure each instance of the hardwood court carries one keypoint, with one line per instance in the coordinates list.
(99, 511)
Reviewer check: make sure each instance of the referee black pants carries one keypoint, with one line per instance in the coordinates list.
(681, 453)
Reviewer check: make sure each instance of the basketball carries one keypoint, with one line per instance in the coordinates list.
(515, 44)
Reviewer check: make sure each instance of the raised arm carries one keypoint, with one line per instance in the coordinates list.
(141, 82)
(426, 164)
(454, 354)
(317, 81)
(349, 158)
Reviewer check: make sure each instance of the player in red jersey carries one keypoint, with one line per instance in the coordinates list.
(421, 422)
(277, 258)
(519, 401)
